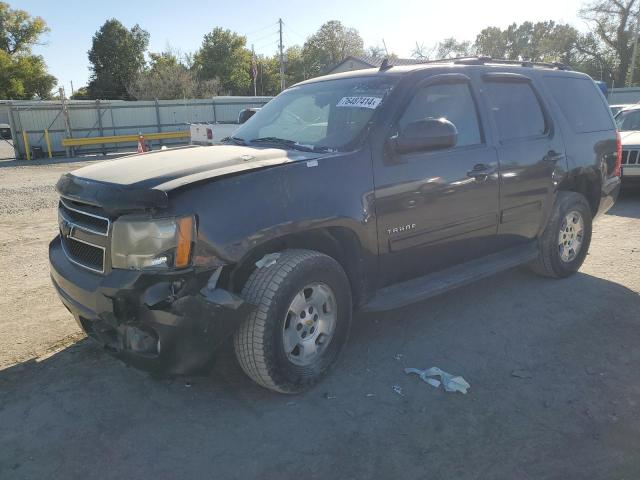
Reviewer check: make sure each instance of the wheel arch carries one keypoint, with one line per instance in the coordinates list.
(588, 184)
(339, 243)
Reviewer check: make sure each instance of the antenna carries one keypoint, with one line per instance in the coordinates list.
(385, 47)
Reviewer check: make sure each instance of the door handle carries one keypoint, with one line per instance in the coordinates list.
(553, 157)
(480, 171)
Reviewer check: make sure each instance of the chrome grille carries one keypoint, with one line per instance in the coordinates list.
(630, 157)
(83, 219)
(84, 234)
(84, 254)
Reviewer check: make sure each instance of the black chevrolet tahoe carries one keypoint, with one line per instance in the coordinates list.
(365, 190)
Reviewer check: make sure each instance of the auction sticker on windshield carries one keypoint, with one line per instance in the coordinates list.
(359, 102)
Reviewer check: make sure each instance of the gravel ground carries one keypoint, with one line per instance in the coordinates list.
(553, 368)
(6, 149)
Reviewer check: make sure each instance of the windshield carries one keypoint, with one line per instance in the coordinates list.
(628, 120)
(322, 115)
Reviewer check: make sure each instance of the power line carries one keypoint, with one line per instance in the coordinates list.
(257, 39)
(263, 45)
(302, 37)
(271, 25)
(281, 58)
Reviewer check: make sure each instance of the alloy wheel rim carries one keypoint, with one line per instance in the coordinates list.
(571, 236)
(309, 324)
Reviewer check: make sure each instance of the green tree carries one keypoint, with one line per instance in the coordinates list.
(452, 48)
(81, 93)
(224, 55)
(116, 57)
(22, 75)
(491, 42)
(612, 22)
(375, 51)
(540, 42)
(295, 67)
(168, 78)
(269, 75)
(331, 44)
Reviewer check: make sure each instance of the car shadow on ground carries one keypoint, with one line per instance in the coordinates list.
(628, 204)
(550, 363)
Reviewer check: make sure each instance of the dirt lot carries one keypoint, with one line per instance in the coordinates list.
(553, 367)
(6, 149)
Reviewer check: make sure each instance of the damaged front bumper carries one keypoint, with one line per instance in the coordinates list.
(170, 323)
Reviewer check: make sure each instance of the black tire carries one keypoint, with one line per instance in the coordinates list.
(258, 342)
(549, 262)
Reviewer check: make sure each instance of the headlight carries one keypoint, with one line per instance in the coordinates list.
(152, 243)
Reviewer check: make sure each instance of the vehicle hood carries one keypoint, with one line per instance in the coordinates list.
(142, 181)
(630, 138)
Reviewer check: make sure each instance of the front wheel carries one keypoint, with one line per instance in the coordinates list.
(300, 324)
(565, 242)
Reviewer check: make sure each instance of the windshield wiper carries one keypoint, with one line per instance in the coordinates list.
(274, 140)
(236, 140)
(292, 144)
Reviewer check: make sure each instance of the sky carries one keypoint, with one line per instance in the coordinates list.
(401, 23)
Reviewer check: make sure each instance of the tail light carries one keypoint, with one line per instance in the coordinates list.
(617, 170)
(209, 134)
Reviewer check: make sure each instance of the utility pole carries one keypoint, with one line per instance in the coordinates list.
(635, 48)
(281, 57)
(72, 90)
(254, 71)
(65, 116)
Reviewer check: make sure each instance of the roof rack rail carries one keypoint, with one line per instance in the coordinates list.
(386, 64)
(483, 60)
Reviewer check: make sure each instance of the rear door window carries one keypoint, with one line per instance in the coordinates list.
(515, 109)
(581, 103)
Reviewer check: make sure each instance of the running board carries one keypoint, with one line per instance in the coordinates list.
(422, 288)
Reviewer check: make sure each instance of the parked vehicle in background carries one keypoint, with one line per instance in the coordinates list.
(369, 190)
(603, 87)
(619, 107)
(246, 114)
(5, 131)
(210, 133)
(628, 123)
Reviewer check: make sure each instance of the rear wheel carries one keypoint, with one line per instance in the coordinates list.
(300, 324)
(565, 242)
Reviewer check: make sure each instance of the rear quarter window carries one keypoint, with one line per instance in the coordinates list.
(516, 110)
(581, 103)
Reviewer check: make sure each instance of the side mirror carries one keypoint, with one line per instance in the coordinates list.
(423, 135)
(246, 114)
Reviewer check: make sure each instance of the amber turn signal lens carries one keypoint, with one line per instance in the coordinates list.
(185, 239)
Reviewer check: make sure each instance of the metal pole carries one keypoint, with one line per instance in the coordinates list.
(65, 115)
(48, 141)
(104, 151)
(281, 57)
(635, 48)
(25, 140)
(254, 71)
(159, 128)
(14, 132)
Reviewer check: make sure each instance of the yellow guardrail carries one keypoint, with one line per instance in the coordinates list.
(79, 142)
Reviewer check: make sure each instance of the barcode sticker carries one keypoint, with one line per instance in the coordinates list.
(359, 102)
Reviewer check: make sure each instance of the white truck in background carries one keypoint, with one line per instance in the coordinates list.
(211, 133)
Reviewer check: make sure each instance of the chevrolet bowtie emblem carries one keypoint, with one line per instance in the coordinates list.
(66, 227)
